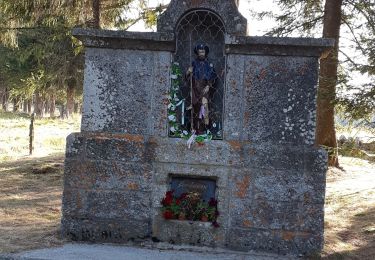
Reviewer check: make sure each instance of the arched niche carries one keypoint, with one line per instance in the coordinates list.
(196, 27)
(233, 20)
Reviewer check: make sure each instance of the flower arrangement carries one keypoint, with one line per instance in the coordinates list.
(175, 128)
(189, 206)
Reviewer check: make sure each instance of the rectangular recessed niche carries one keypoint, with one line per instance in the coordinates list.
(205, 187)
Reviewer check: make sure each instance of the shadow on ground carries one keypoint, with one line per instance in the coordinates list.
(360, 234)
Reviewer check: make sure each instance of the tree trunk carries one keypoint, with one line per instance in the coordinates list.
(325, 132)
(39, 105)
(46, 106)
(76, 108)
(70, 100)
(25, 106)
(4, 101)
(15, 105)
(62, 112)
(52, 106)
(29, 102)
(96, 13)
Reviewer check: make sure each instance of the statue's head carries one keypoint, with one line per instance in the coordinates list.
(201, 50)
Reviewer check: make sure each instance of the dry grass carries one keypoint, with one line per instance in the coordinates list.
(49, 135)
(31, 188)
(30, 203)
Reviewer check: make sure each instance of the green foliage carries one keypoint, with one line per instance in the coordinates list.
(38, 52)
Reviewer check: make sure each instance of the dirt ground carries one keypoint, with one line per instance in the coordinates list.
(30, 206)
(30, 203)
(350, 211)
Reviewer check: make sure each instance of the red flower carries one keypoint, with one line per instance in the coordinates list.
(178, 201)
(169, 194)
(167, 201)
(168, 214)
(183, 196)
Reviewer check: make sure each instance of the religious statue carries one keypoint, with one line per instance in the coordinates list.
(201, 75)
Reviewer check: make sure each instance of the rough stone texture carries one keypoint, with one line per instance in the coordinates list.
(273, 193)
(120, 88)
(270, 179)
(125, 40)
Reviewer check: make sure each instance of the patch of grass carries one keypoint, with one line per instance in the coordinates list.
(12, 115)
(54, 142)
(49, 135)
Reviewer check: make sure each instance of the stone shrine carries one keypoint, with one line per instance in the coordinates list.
(257, 156)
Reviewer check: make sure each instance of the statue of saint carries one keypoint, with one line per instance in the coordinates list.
(201, 75)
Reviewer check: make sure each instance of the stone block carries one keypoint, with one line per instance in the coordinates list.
(188, 232)
(216, 152)
(114, 101)
(261, 213)
(276, 99)
(241, 183)
(75, 145)
(108, 175)
(160, 92)
(274, 157)
(105, 231)
(233, 113)
(311, 218)
(106, 204)
(125, 147)
(277, 241)
(287, 186)
(254, 239)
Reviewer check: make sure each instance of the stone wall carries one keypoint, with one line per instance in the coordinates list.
(270, 178)
(270, 197)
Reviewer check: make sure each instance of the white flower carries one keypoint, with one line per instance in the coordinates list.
(185, 132)
(173, 108)
(169, 105)
(176, 63)
(211, 65)
(173, 76)
(172, 129)
(172, 118)
(176, 99)
(214, 124)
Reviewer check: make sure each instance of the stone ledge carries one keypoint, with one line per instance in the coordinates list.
(152, 41)
(142, 149)
(287, 46)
